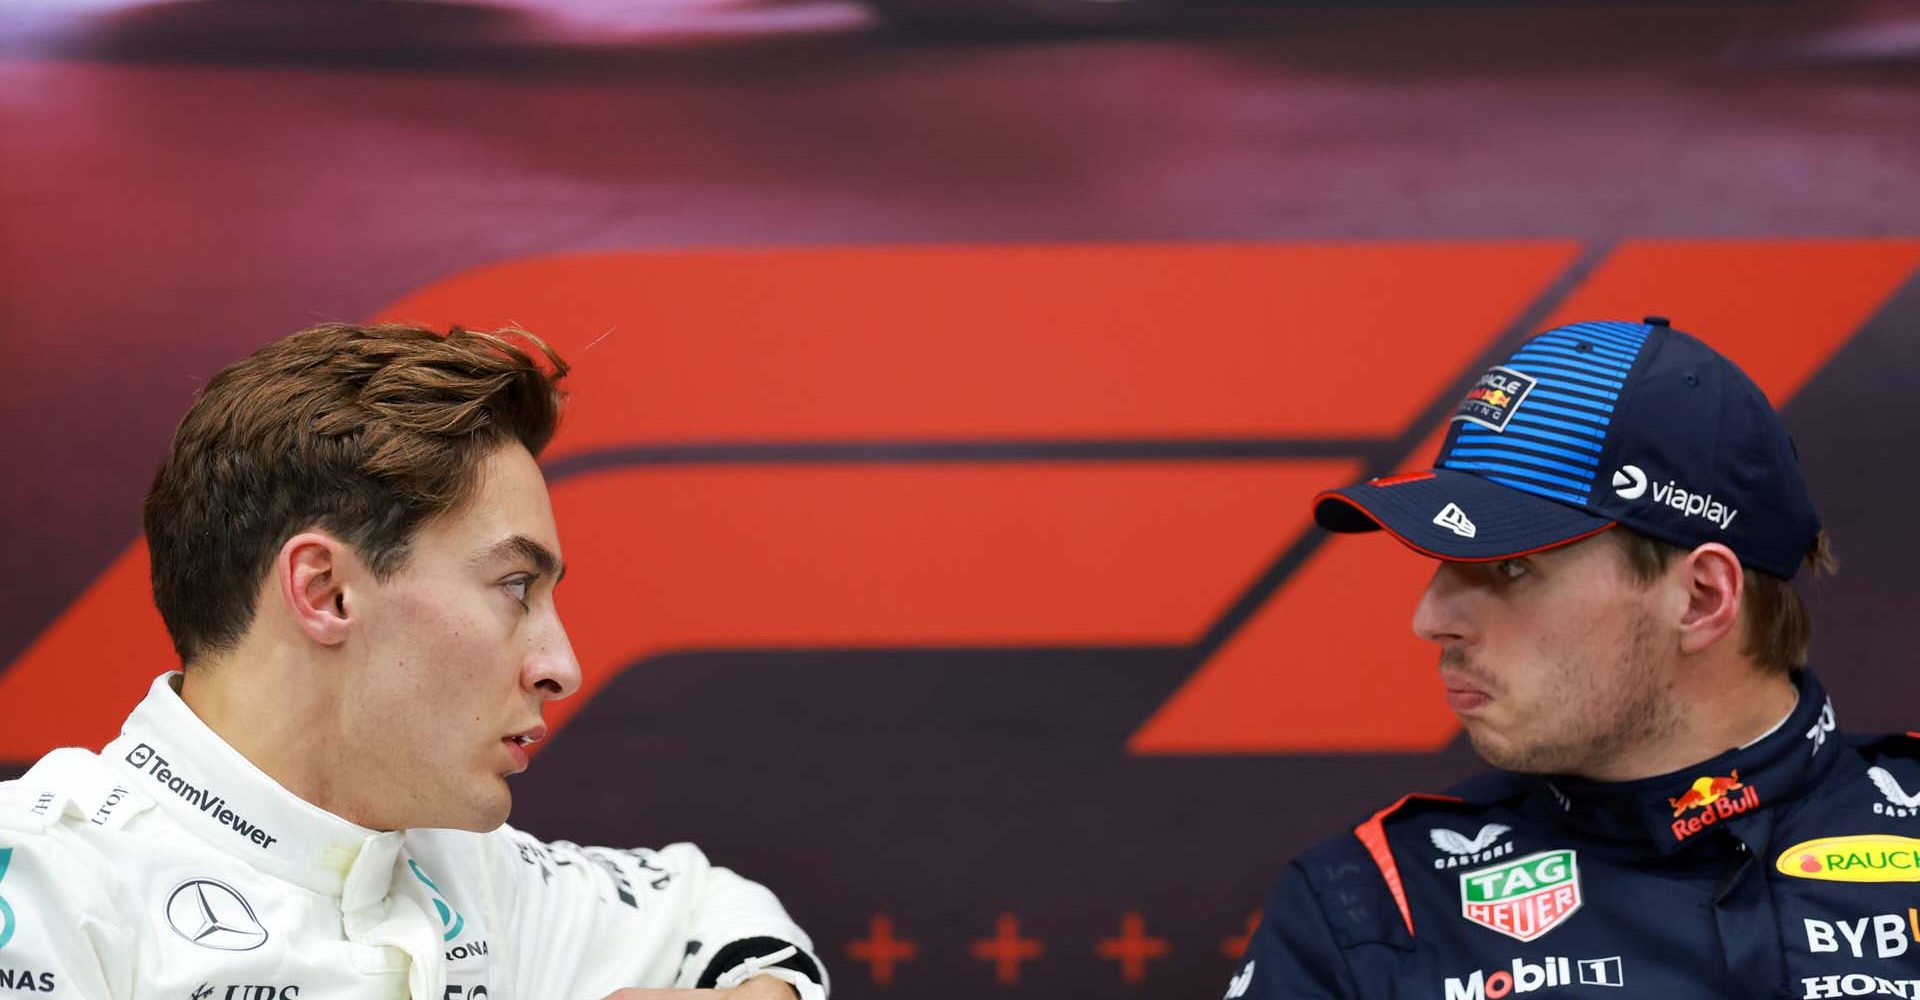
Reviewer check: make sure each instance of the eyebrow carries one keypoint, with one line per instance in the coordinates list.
(526, 548)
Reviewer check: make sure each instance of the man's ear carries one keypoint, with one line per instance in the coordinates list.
(1715, 586)
(313, 570)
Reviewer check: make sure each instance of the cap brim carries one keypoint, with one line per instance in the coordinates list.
(1456, 516)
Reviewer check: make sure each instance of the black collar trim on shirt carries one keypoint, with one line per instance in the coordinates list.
(1677, 809)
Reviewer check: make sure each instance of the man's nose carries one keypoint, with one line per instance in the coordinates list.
(1440, 616)
(553, 671)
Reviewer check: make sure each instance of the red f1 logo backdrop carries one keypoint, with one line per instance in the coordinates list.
(969, 596)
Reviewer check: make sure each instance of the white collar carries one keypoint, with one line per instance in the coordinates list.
(204, 784)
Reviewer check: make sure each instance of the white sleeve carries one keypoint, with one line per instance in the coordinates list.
(598, 919)
(58, 924)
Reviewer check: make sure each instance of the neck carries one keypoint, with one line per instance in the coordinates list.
(1722, 708)
(267, 707)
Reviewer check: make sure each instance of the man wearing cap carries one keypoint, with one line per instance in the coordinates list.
(1616, 511)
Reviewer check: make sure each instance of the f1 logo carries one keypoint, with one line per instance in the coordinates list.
(987, 447)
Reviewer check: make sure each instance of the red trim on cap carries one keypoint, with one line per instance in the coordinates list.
(1404, 540)
(1373, 835)
(1333, 494)
(1405, 477)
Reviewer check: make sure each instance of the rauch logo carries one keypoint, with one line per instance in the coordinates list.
(1864, 858)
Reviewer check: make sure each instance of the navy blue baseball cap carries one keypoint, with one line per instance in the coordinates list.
(1590, 425)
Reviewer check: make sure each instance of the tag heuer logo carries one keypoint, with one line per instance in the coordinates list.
(1523, 898)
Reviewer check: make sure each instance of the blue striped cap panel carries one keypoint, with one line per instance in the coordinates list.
(1538, 421)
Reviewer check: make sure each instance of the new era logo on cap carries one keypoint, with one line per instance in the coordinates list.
(1452, 518)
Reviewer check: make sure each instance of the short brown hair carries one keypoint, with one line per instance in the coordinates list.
(1779, 629)
(364, 431)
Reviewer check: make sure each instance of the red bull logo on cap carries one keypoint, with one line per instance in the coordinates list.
(1714, 797)
(1491, 402)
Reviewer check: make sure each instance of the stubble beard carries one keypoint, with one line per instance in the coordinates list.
(1601, 720)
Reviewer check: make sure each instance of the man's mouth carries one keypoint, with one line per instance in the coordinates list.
(518, 743)
(527, 737)
(1463, 695)
(1464, 700)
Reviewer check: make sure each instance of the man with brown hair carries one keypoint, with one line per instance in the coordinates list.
(355, 556)
(1617, 513)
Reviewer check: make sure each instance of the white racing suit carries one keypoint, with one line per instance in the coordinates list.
(169, 866)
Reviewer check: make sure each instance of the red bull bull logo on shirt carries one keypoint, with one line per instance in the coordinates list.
(1523, 898)
(1715, 799)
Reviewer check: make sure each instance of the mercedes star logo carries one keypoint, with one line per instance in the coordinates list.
(212, 915)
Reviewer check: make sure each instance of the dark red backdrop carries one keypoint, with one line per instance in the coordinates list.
(946, 412)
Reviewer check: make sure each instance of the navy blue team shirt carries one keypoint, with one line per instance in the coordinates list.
(1789, 868)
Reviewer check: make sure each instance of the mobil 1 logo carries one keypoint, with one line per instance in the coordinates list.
(1522, 976)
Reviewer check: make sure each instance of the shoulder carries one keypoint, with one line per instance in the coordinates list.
(517, 849)
(516, 863)
(1894, 754)
(70, 787)
(1877, 747)
(1892, 765)
(1415, 814)
(53, 863)
(1359, 876)
(1464, 820)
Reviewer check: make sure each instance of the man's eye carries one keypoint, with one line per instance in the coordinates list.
(518, 587)
(1510, 569)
